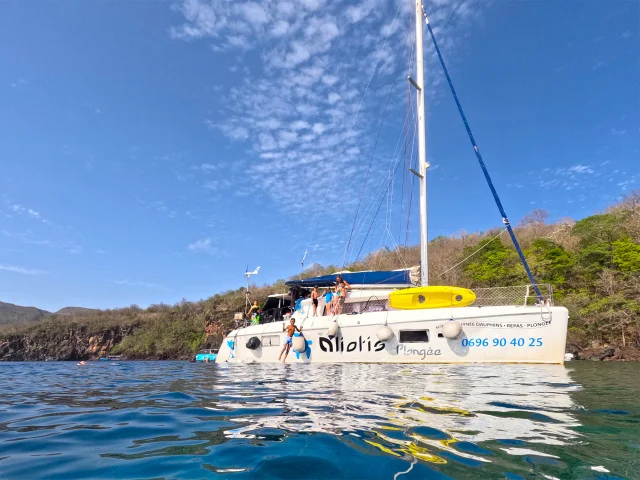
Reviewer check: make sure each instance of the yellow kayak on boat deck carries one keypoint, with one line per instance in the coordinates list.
(431, 297)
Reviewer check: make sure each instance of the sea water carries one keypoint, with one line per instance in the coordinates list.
(156, 420)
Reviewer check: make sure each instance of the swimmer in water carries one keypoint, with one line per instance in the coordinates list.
(82, 363)
(288, 341)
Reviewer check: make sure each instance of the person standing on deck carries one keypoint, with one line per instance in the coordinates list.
(314, 299)
(328, 300)
(341, 289)
(253, 310)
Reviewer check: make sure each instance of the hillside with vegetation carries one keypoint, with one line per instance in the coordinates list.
(593, 265)
(12, 314)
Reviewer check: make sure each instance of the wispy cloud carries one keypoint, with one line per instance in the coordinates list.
(18, 209)
(204, 245)
(206, 167)
(580, 169)
(22, 270)
(618, 133)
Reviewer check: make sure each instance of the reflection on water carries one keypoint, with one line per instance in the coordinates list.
(177, 420)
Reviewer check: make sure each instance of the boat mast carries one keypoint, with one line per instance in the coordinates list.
(422, 155)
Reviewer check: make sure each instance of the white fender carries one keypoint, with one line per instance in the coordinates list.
(299, 344)
(452, 329)
(333, 329)
(384, 333)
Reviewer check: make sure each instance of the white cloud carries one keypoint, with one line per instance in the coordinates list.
(204, 245)
(22, 270)
(618, 133)
(280, 28)
(356, 13)
(580, 169)
(300, 125)
(333, 97)
(206, 167)
(254, 13)
(18, 209)
(330, 80)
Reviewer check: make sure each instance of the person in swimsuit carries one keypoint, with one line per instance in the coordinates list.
(328, 296)
(253, 310)
(314, 299)
(288, 341)
(342, 281)
(341, 288)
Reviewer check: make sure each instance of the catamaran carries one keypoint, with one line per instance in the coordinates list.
(396, 316)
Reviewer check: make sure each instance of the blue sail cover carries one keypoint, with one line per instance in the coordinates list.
(389, 277)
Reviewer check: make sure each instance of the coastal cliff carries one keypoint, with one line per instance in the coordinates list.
(74, 342)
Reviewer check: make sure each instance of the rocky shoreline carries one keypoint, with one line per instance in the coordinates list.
(77, 344)
(604, 353)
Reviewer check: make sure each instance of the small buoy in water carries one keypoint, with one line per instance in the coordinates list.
(82, 363)
(451, 329)
(333, 329)
(299, 344)
(384, 333)
(568, 357)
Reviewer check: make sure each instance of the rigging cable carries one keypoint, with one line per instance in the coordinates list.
(505, 220)
(375, 146)
(381, 201)
(478, 250)
(375, 67)
(381, 189)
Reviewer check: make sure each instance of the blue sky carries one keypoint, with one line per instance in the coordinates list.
(149, 151)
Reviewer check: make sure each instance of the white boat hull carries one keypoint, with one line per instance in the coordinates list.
(503, 334)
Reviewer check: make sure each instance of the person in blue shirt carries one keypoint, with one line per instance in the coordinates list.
(328, 298)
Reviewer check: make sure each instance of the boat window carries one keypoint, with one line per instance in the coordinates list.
(414, 336)
(271, 341)
(369, 305)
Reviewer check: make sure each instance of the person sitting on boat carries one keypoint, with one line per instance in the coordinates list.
(314, 299)
(328, 300)
(288, 341)
(340, 280)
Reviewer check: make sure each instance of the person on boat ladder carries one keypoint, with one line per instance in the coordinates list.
(288, 341)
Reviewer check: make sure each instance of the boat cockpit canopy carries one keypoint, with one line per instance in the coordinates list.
(388, 278)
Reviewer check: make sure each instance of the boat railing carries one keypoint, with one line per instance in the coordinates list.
(513, 295)
(267, 316)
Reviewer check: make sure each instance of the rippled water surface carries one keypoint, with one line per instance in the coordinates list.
(181, 420)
